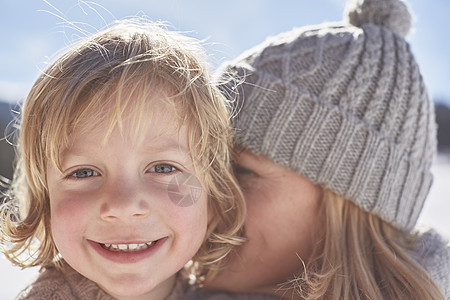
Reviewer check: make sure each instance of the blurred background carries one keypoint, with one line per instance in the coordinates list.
(32, 32)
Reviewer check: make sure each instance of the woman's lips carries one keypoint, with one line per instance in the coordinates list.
(126, 253)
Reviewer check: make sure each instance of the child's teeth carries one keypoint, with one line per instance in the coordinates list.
(127, 247)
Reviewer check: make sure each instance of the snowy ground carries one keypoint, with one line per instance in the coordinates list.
(436, 213)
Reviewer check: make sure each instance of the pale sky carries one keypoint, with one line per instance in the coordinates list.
(32, 31)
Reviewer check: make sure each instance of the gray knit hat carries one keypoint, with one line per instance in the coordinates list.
(345, 106)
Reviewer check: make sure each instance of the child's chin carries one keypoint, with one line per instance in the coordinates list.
(136, 289)
(124, 293)
(117, 291)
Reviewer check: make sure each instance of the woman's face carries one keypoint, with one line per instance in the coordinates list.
(282, 217)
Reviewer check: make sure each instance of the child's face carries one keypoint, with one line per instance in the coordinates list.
(126, 213)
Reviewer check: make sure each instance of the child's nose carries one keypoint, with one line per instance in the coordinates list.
(124, 200)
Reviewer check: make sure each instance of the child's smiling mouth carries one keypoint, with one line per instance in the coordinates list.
(128, 247)
(125, 252)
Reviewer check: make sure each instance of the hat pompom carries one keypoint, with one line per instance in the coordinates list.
(391, 14)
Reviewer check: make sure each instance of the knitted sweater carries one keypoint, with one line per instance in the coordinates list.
(53, 284)
(432, 253)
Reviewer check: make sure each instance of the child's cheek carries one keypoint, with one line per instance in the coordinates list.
(182, 201)
(71, 203)
(184, 190)
(70, 214)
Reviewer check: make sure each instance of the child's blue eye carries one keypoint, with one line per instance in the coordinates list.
(84, 173)
(163, 168)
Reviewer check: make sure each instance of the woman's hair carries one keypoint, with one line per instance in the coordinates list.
(361, 256)
(127, 64)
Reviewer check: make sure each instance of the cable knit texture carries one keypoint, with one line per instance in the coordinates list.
(53, 284)
(344, 106)
(433, 254)
(392, 14)
(204, 295)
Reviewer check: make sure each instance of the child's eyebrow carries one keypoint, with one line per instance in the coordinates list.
(147, 147)
(165, 144)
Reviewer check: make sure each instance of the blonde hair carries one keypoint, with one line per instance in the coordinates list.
(129, 60)
(362, 257)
